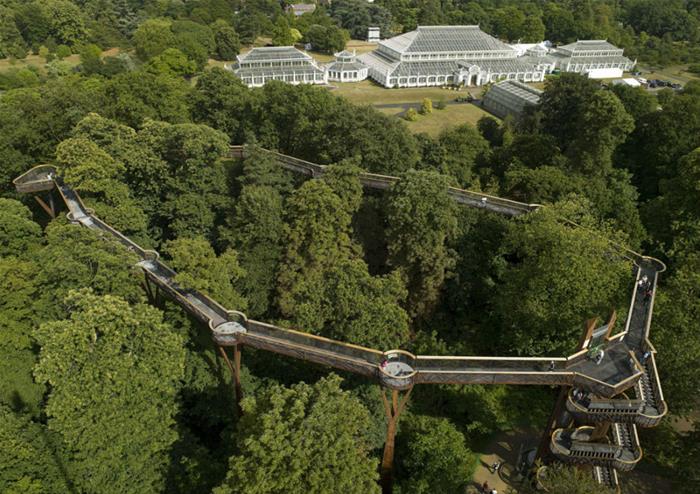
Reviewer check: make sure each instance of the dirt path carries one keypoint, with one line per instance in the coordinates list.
(503, 448)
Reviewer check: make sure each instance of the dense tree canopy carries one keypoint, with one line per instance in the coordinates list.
(142, 133)
(106, 358)
(548, 291)
(303, 439)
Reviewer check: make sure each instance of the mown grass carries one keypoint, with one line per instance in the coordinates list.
(437, 121)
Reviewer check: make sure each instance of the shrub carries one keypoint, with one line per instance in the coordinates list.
(62, 51)
(440, 105)
(411, 115)
(426, 107)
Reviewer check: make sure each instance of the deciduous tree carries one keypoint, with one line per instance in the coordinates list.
(115, 371)
(303, 439)
(422, 221)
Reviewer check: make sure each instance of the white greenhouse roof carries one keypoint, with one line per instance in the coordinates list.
(518, 90)
(436, 39)
(584, 45)
(272, 53)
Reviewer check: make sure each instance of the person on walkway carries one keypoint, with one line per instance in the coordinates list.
(384, 364)
(647, 297)
(599, 357)
(496, 466)
(485, 488)
(646, 356)
(483, 202)
(551, 366)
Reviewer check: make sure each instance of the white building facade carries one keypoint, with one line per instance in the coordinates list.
(585, 56)
(278, 63)
(346, 68)
(445, 55)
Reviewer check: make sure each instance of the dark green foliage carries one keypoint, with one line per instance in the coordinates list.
(303, 439)
(219, 100)
(545, 295)
(433, 456)
(18, 290)
(19, 234)
(115, 371)
(327, 39)
(356, 16)
(256, 232)
(29, 462)
(676, 313)
(422, 221)
(463, 147)
(200, 268)
(101, 264)
(227, 42)
(153, 37)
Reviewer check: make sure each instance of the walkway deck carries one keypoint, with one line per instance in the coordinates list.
(622, 368)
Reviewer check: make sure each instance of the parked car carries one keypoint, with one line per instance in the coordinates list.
(676, 86)
(642, 80)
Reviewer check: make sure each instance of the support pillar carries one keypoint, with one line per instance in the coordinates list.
(235, 368)
(393, 412)
(152, 291)
(49, 208)
(559, 418)
(600, 431)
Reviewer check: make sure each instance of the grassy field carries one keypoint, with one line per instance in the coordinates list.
(674, 73)
(434, 123)
(39, 62)
(33, 61)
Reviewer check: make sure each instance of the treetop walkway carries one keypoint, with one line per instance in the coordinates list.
(592, 391)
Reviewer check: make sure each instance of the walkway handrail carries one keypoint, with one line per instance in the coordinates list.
(535, 370)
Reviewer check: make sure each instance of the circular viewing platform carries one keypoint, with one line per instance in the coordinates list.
(227, 334)
(397, 369)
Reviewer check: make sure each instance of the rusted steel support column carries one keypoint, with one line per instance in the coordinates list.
(557, 419)
(235, 368)
(49, 209)
(600, 431)
(393, 412)
(150, 294)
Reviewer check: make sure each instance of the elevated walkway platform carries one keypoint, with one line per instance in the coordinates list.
(628, 362)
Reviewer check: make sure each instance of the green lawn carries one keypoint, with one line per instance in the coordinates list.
(33, 61)
(434, 123)
(39, 62)
(674, 73)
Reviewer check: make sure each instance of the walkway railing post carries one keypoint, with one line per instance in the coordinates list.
(393, 412)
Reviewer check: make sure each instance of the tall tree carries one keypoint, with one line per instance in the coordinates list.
(153, 37)
(256, 231)
(318, 236)
(303, 439)
(115, 371)
(558, 276)
(200, 268)
(76, 257)
(422, 221)
(433, 456)
(98, 177)
(29, 461)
